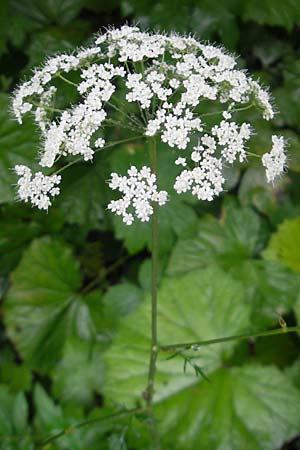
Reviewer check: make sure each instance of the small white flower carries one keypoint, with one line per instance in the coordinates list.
(180, 161)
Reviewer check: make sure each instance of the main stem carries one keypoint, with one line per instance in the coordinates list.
(154, 343)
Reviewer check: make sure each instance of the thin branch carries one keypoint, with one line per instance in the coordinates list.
(112, 144)
(59, 75)
(72, 428)
(198, 344)
(212, 113)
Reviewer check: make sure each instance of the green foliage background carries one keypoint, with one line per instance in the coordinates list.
(74, 311)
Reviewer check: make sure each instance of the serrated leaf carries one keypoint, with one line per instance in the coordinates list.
(43, 306)
(227, 242)
(18, 145)
(190, 308)
(270, 289)
(251, 408)
(51, 418)
(284, 244)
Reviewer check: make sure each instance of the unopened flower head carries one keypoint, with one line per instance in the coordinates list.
(173, 82)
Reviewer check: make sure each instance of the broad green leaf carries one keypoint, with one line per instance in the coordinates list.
(293, 373)
(297, 307)
(79, 372)
(6, 402)
(43, 306)
(270, 289)
(20, 413)
(51, 418)
(16, 376)
(14, 428)
(83, 196)
(191, 308)
(228, 241)
(284, 244)
(20, 224)
(18, 145)
(251, 408)
(175, 219)
(254, 190)
(145, 271)
(120, 300)
(49, 11)
(273, 12)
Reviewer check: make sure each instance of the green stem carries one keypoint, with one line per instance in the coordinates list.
(212, 113)
(112, 144)
(72, 428)
(154, 343)
(59, 75)
(196, 345)
(47, 108)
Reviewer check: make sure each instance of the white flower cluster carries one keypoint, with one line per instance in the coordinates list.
(275, 161)
(168, 78)
(205, 181)
(38, 188)
(139, 191)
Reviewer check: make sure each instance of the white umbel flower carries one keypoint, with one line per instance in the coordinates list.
(275, 161)
(139, 192)
(153, 84)
(38, 188)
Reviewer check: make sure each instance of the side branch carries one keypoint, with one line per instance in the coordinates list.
(196, 345)
(72, 428)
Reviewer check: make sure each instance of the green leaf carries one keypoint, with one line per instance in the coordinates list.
(120, 300)
(49, 11)
(174, 219)
(228, 241)
(43, 306)
(293, 373)
(254, 190)
(79, 372)
(16, 376)
(20, 413)
(14, 426)
(270, 289)
(273, 12)
(285, 243)
(18, 146)
(145, 271)
(83, 196)
(190, 308)
(6, 402)
(51, 418)
(251, 408)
